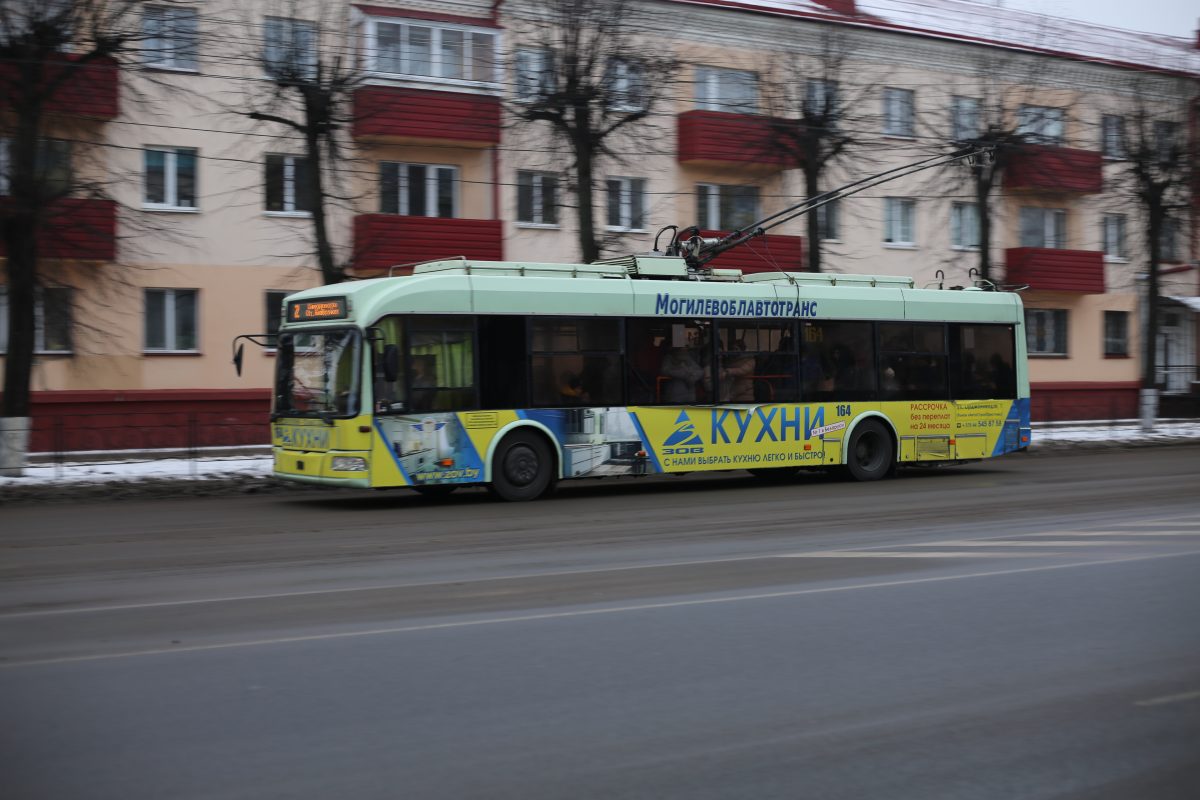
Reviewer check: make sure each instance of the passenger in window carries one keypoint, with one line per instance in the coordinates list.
(571, 390)
(737, 381)
(423, 382)
(890, 384)
(843, 367)
(681, 367)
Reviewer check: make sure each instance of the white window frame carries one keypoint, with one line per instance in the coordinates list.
(1112, 137)
(964, 226)
(899, 109)
(432, 172)
(538, 206)
(900, 222)
(964, 118)
(1112, 237)
(175, 46)
(534, 73)
(170, 178)
(1166, 139)
(1168, 241)
(710, 218)
(1053, 227)
(289, 188)
(829, 220)
(295, 37)
(1116, 346)
(437, 59)
(1042, 124)
(733, 91)
(169, 332)
(39, 322)
(1055, 321)
(625, 81)
(821, 97)
(630, 192)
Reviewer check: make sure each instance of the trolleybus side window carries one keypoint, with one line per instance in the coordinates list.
(670, 361)
(441, 363)
(387, 342)
(575, 361)
(837, 361)
(503, 362)
(758, 362)
(912, 361)
(982, 362)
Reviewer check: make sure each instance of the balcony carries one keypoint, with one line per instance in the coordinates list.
(722, 139)
(767, 253)
(75, 229)
(418, 116)
(89, 91)
(385, 240)
(1054, 169)
(1056, 270)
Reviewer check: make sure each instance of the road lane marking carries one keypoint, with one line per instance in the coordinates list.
(588, 612)
(911, 554)
(1149, 534)
(1171, 698)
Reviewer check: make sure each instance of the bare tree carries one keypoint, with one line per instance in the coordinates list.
(311, 74)
(52, 54)
(814, 118)
(1159, 173)
(590, 71)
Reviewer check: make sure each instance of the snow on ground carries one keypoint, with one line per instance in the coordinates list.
(1117, 433)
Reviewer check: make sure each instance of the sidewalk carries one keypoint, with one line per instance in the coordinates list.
(249, 469)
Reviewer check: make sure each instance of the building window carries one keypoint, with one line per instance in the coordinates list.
(537, 198)
(1116, 333)
(289, 185)
(1043, 227)
(418, 190)
(731, 90)
(289, 48)
(829, 221)
(1046, 331)
(171, 320)
(820, 99)
(625, 85)
(898, 112)
(1112, 135)
(726, 208)
(899, 221)
(1112, 228)
(52, 166)
(964, 225)
(51, 321)
(170, 38)
(1166, 142)
(626, 203)
(964, 118)
(274, 315)
(429, 50)
(170, 178)
(1168, 240)
(1041, 124)
(535, 74)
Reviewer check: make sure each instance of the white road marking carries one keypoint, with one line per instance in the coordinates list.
(592, 612)
(1116, 533)
(1171, 698)
(910, 554)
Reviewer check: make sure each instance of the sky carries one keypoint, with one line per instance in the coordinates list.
(1171, 17)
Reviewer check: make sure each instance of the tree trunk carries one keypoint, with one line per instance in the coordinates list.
(983, 191)
(812, 182)
(1149, 393)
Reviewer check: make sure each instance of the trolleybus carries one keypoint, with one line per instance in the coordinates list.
(518, 375)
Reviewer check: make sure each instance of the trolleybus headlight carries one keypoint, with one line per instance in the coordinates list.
(349, 464)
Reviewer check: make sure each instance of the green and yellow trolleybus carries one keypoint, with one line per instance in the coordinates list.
(518, 375)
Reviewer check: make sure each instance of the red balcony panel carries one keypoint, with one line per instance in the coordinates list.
(87, 89)
(386, 112)
(1055, 169)
(76, 229)
(384, 240)
(767, 253)
(1056, 270)
(720, 138)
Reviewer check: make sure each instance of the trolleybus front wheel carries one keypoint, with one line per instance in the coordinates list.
(523, 467)
(870, 453)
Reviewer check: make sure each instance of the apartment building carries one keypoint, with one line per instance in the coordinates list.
(195, 213)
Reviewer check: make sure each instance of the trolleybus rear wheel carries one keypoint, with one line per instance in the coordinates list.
(869, 454)
(523, 467)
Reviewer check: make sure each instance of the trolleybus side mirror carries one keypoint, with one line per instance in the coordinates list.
(391, 363)
(237, 358)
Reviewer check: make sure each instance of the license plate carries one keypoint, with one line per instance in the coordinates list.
(302, 437)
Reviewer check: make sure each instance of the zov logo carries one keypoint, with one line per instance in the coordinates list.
(684, 437)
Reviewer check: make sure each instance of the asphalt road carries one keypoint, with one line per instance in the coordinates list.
(1026, 628)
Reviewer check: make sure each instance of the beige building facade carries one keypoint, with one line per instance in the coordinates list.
(211, 225)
